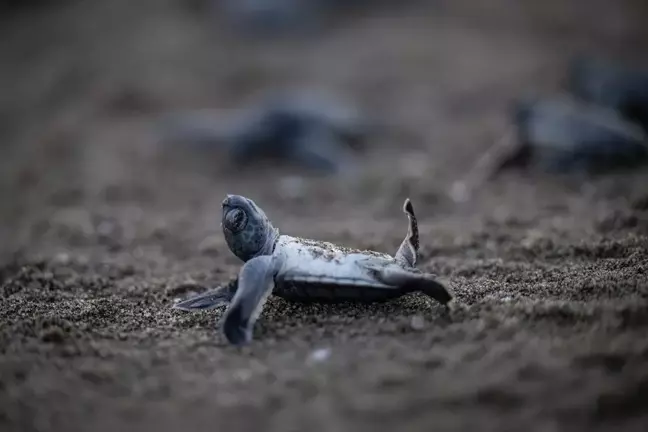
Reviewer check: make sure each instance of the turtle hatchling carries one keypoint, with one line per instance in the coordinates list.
(298, 269)
(314, 130)
(562, 134)
(616, 86)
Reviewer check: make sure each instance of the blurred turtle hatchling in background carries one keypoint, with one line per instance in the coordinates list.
(617, 87)
(319, 133)
(561, 134)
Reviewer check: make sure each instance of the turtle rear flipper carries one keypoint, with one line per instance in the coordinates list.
(431, 287)
(407, 253)
(412, 281)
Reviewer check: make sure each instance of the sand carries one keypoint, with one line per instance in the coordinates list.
(101, 225)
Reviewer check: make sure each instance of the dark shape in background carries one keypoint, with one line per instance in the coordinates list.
(615, 85)
(562, 135)
(317, 133)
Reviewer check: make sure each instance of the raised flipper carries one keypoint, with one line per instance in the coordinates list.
(209, 299)
(416, 281)
(408, 251)
(255, 284)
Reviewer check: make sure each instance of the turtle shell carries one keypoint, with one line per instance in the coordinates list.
(321, 271)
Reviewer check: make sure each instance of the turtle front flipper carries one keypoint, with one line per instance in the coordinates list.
(209, 299)
(255, 284)
(408, 251)
(411, 281)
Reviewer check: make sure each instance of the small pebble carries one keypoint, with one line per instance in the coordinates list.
(417, 322)
(62, 258)
(243, 374)
(320, 355)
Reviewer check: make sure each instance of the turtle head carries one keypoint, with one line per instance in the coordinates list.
(247, 229)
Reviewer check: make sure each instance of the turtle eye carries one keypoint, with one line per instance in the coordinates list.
(235, 220)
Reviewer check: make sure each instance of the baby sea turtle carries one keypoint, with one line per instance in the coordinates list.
(314, 130)
(563, 134)
(616, 86)
(299, 269)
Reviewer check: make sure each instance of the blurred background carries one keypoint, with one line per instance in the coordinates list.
(88, 183)
(86, 82)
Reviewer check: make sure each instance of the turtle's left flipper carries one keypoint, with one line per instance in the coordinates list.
(255, 284)
(209, 299)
